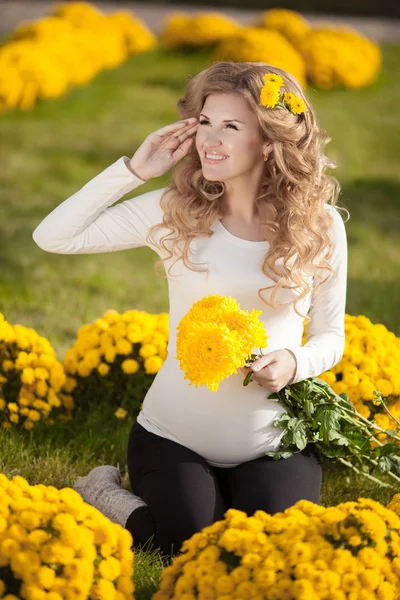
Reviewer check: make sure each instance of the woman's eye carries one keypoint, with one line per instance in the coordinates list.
(231, 124)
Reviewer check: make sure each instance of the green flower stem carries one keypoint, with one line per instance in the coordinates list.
(372, 436)
(388, 411)
(348, 464)
(372, 425)
(347, 410)
(375, 462)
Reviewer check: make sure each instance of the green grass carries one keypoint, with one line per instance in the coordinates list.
(50, 152)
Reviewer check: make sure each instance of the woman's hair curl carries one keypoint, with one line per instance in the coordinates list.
(294, 190)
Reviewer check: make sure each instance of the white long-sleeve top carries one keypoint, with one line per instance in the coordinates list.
(234, 424)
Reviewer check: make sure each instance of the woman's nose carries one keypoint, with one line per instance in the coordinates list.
(211, 142)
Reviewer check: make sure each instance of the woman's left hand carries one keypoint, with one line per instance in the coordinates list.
(275, 370)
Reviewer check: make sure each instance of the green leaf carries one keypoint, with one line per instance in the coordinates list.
(309, 407)
(390, 432)
(338, 437)
(300, 434)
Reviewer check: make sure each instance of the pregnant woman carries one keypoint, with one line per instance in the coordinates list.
(250, 213)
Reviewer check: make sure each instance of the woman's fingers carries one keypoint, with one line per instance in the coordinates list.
(182, 149)
(181, 136)
(173, 127)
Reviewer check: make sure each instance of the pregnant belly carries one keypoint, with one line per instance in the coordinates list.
(227, 427)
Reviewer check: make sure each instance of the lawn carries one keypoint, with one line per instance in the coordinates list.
(50, 152)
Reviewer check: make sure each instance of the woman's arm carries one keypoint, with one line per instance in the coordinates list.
(325, 332)
(86, 223)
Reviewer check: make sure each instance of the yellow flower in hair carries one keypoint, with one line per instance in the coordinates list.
(274, 78)
(270, 94)
(288, 97)
(297, 106)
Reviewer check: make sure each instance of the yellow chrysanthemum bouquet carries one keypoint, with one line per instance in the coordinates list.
(107, 352)
(342, 552)
(215, 338)
(31, 379)
(55, 546)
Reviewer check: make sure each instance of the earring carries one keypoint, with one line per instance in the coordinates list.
(265, 157)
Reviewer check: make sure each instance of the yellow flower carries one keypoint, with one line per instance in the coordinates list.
(125, 585)
(110, 568)
(297, 106)
(70, 384)
(121, 413)
(8, 365)
(41, 388)
(28, 375)
(288, 97)
(46, 576)
(130, 365)
(210, 354)
(274, 78)
(105, 590)
(251, 560)
(215, 338)
(148, 350)
(269, 96)
(124, 346)
(34, 415)
(153, 364)
(110, 354)
(103, 369)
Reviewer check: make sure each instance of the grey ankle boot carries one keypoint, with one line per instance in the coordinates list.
(102, 489)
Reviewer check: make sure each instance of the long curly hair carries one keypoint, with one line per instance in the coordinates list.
(292, 194)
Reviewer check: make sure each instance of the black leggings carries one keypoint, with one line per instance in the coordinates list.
(184, 493)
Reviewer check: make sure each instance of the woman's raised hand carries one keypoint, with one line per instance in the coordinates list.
(162, 149)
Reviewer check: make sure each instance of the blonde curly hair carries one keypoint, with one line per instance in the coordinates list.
(292, 194)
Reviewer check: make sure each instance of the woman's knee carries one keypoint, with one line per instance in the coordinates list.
(178, 486)
(273, 486)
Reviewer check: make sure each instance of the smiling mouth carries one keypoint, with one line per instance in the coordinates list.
(219, 158)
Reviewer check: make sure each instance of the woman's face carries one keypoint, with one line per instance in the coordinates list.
(239, 139)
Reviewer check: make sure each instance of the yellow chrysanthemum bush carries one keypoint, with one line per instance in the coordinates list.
(371, 362)
(31, 379)
(334, 55)
(201, 30)
(45, 58)
(256, 44)
(54, 546)
(215, 338)
(288, 22)
(114, 360)
(340, 57)
(345, 552)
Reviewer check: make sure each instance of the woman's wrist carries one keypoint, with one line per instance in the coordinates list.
(133, 169)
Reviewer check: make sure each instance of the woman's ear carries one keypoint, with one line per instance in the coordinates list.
(267, 148)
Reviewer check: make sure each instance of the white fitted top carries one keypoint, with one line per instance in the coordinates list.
(234, 424)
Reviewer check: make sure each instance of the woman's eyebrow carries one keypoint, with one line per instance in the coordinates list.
(226, 120)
